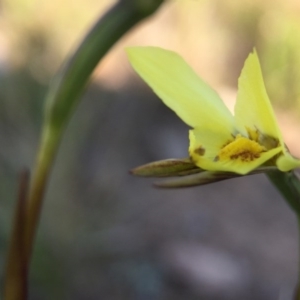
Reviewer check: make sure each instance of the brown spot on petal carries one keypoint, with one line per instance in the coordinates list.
(268, 141)
(245, 156)
(200, 151)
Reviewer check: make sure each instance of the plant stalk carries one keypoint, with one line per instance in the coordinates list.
(289, 186)
(15, 284)
(61, 100)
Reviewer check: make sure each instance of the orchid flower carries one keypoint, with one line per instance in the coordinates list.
(219, 141)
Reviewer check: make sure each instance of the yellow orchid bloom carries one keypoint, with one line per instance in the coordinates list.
(219, 141)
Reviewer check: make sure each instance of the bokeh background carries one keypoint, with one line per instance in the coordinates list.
(107, 235)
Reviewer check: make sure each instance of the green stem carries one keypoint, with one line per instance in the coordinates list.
(61, 100)
(297, 292)
(70, 82)
(67, 87)
(289, 186)
(15, 287)
(46, 155)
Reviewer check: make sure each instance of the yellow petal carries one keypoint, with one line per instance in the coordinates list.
(206, 144)
(237, 166)
(287, 162)
(180, 88)
(205, 148)
(253, 109)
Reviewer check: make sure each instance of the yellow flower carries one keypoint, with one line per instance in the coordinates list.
(219, 141)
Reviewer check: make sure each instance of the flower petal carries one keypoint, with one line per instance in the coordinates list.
(287, 162)
(238, 166)
(206, 144)
(253, 109)
(205, 147)
(180, 88)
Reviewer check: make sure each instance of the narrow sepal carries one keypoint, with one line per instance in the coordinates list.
(206, 177)
(167, 168)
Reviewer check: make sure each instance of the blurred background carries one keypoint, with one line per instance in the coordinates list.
(107, 235)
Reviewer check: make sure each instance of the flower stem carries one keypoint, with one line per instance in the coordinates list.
(46, 155)
(66, 88)
(15, 286)
(288, 185)
(297, 292)
(61, 100)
